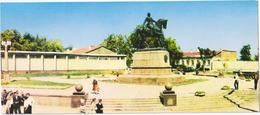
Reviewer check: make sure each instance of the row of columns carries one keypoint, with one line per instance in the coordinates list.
(42, 62)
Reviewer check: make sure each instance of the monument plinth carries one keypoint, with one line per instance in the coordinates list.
(168, 97)
(79, 94)
(151, 61)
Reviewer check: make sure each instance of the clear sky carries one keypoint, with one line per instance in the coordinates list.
(215, 25)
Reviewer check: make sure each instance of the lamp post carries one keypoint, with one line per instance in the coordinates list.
(6, 44)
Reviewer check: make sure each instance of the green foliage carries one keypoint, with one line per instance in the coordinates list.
(200, 93)
(119, 44)
(206, 53)
(38, 84)
(127, 45)
(71, 73)
(245, 53)
(173, 49)
(226, 87)
(256, 57)
(68, 76)
(28, 42)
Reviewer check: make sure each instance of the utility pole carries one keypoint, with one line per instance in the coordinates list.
(6, 73)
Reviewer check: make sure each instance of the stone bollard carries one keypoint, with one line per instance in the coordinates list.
(168, 97)
(75, 98)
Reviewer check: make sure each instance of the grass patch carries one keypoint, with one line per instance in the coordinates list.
(71, 73)
(37, 84)
(157, 81)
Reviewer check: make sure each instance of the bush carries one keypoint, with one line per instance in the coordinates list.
(200, 93)
(28, 77)
(88, 76)
(68, 76)
(221, 73)
(185, 68)
(226, 87)
(248, 80)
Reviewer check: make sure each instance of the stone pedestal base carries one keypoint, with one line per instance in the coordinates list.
(151, 71)
(154, 61)
(168, 98)
(75, 99)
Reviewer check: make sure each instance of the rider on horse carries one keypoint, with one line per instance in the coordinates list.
(149, 22)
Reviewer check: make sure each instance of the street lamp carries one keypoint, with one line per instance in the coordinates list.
(6, 44)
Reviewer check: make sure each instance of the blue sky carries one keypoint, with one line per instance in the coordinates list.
(215, 25)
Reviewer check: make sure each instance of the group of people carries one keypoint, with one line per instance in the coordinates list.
(255, 77)
(16, 102)
(95, 105)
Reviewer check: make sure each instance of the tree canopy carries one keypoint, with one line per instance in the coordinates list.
(245, 53)
(122, 44)
(29, 42)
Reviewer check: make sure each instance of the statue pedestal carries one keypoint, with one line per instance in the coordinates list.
(76, 96)
(151, 62)
(168, 98)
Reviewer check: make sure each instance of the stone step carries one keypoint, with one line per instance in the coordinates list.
(174, 108)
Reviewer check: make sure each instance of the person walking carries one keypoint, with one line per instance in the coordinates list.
(236, 82)
(28, 102)
(256, 78)
(99, 106)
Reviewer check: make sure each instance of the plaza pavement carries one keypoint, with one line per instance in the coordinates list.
(115, 90)
(115, 95)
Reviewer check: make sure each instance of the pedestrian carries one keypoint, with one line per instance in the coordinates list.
(28, 102)
(99, 106)
(256, 78)
(82, 106)
(236, 82)
(3, 98)
(17, 103)
(95, 90)
(92, 106)
(9, 103)
(22, 101)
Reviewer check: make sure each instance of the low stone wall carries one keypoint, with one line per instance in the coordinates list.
(61, 64)
(235, 65)
(53, 100)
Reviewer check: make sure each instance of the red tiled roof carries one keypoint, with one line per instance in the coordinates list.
(84, 50)
(191, 54)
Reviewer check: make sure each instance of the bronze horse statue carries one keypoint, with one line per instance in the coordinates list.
(154, 32)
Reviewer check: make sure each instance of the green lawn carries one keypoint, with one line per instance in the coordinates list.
(71, 73)
(37, 84)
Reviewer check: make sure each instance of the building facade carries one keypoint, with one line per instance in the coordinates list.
(95, 58)
(224, 59)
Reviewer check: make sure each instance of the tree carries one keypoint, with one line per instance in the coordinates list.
(28, 42)
(245, 53)
(173, 49)
(206, 53)
(256, 57)
(119, 44)
(54, 46)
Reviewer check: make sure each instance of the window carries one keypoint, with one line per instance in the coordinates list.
(93, 58)
(103, 58)
(113, 58)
